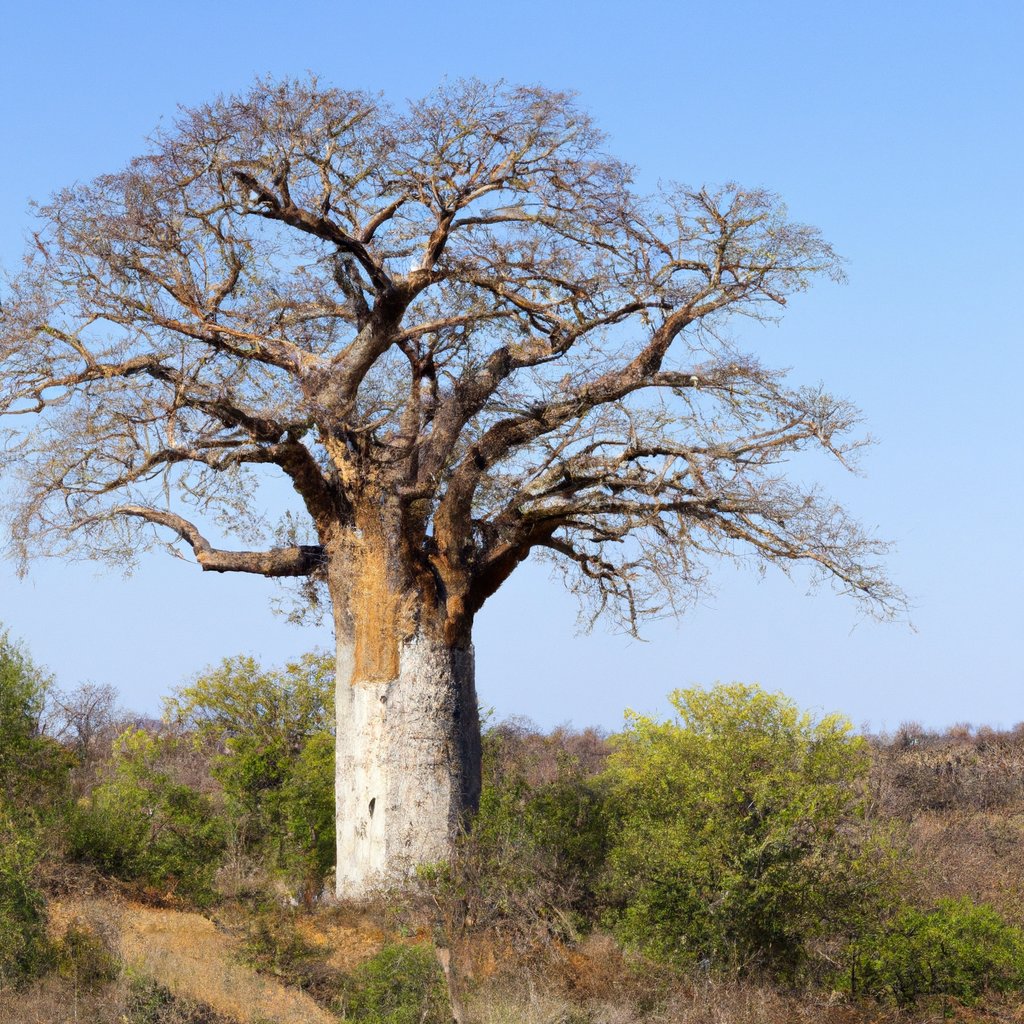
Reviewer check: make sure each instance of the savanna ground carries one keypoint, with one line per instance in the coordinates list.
(742, 862)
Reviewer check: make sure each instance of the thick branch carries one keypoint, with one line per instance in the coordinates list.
(272, 208)
(300, 560)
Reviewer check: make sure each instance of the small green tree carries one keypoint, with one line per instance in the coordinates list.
(142, 825)
(740, 831)
(308, 799)
(273, 731)
(34, 775)
(34, 770)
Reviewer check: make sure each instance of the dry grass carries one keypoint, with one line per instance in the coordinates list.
(976, 854)
(597, 983)
(186, 954)
(529, 1001)
(55, 1000)
(347, 939)
(593, 982)
(708, 1002)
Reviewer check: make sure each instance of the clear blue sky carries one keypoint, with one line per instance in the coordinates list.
(895, 127)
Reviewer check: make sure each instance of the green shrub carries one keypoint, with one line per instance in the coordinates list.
(35, 771)
(569, 818)
(24, 950)
(309, 809)
(400, 985)
(740, 834)
(150, 1003)
(958, 949)
(502, 861)
(81, 957)
(528, 866)
(142, 826)
(275, 728)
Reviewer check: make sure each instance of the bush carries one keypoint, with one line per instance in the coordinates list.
(82, 958)
(34, 770)
(275, 730)
(24, 950)
(959, 949)
(309, 808)
(527, 868)
(273, 945)
(542, 849)
(400, 985)
(142, 826)
(740, 834)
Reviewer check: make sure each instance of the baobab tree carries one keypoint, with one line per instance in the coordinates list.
(461, 336)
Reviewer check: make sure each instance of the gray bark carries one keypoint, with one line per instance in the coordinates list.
(408, 763)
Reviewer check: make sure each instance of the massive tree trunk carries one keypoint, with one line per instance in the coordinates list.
(408, 734)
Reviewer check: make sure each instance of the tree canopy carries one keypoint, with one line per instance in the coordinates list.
(456, 325)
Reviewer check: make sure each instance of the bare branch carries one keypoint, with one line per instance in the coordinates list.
(294, 561)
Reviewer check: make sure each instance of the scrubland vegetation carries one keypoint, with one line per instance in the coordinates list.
(742, 860)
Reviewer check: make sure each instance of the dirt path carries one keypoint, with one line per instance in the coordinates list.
(186, 954)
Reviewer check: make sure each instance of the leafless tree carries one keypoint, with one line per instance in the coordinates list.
(85, 719)
(461, 336)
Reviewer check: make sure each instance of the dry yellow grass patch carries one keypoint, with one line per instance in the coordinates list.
(186, 954)
(345, 946)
